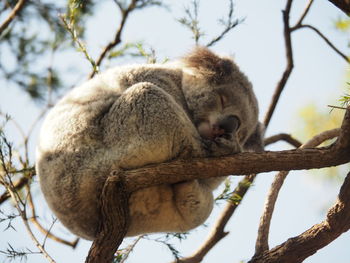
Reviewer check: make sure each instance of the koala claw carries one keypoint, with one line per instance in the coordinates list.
(221, 146)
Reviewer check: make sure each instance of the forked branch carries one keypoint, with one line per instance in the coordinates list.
(298, 248)
(264, 228)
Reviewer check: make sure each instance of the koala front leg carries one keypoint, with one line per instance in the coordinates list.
(223, 145)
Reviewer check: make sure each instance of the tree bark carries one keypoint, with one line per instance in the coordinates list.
(114, 221)
(243, 163)
(298, 248)
(114, 198)
(343, 5)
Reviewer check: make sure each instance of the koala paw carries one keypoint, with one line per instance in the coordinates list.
(223, 145)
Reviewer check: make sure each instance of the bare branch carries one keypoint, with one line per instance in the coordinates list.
(289, 67)
(117, 38)
(298, 248)
(329, 43)
(343, 5)
(46, 232)
(282, 137)
(114, 220)
(125, 12)
(15, 11)
(19, 204)
(228, 23)
(265, 220)
(302, 17)
(23, 181)
(192, 21)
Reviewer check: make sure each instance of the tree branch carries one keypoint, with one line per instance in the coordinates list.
(117, 39)
(289, 67)
(15, 11)
(265, 220)
(114, 220)
(44, 231)
(298, 248)
(282, 137)
(343, 5)
(329, 43)
(243, 163)
(125, 12)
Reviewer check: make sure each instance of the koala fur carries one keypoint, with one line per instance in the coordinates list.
(131, 116)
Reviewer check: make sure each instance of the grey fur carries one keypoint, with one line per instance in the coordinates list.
(131, 116)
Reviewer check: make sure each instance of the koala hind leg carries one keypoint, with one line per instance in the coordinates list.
(194, 202)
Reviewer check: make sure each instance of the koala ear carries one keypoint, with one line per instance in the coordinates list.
(216, 69)
(255, 142)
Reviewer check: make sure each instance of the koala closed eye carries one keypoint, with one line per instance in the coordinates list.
(223, 101)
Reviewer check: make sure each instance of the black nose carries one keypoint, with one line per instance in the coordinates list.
(229, 124)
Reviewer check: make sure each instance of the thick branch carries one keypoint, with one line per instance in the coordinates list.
(238, 164)
(265, 220)
(296, 249)
(114, 221)
(243, 163)
(343, 5)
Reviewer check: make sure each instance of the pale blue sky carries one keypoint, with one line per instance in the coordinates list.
(257, 46)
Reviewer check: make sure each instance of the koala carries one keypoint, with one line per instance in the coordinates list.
(201, 105)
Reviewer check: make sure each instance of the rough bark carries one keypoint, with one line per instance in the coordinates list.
(114, 199)
(114, 221)
(243, 163)
(343, 5)
(298, 248)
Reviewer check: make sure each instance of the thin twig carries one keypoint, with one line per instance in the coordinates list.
(329, 43)
(18, 202)
(46, 232)
(336, 107)
(70, 28)
(130, 249)
(229, 24)
(265, 220)
(15, 11)
(302, 17)
(117, 39)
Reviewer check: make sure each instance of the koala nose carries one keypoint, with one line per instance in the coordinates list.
(229, 124)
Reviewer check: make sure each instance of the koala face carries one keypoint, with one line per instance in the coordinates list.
(219, 120)
(225, 112)
(220, 97)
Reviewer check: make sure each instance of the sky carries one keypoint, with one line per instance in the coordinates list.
(257, 47)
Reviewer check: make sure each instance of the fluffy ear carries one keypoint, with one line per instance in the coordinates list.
(255, 142)
(215, 68)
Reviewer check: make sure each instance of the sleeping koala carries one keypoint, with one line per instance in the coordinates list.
(131, 116)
